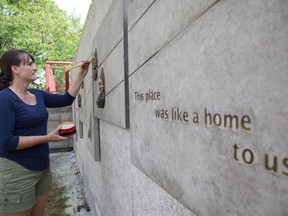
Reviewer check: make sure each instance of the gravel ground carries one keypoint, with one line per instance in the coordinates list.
(65, 171)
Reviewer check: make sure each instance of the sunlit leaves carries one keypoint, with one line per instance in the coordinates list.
(39, 27)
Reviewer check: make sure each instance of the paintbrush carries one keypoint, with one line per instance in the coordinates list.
(91, 60)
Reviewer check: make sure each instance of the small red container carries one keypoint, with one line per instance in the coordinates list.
(67, 129)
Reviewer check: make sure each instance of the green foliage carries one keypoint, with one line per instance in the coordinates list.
(41, 28)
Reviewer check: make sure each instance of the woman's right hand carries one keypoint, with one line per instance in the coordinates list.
(54, 136)
(29, 141)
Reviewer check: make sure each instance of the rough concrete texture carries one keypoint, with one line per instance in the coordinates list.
(218, 67)
(208, 109)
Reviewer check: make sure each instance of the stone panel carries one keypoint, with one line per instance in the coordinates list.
(114, 110)
(229, 66)
(137, 9)
(109, 47)
(110, 32)
(159, 25)
(83, 112)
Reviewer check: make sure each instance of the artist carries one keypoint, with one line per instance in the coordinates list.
(25, 177)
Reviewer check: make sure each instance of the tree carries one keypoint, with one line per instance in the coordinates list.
(41, 28)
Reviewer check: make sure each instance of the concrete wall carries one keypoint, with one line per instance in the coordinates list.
(207, 108)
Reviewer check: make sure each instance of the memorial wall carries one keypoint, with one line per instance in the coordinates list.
(206, 100)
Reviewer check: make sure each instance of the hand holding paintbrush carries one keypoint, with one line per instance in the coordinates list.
(91, 60)
(78, 79)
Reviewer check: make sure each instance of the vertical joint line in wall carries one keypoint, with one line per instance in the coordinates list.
(98, 153)
(126, 62)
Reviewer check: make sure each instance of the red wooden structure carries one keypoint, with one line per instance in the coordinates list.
(50, 81)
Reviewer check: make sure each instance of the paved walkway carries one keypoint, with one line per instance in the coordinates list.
(65, 171)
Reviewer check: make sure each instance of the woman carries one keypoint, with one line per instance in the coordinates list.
(25, 178)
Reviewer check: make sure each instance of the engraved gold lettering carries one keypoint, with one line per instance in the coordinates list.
(217, 119)
(151, 95)
(227, 120)
(245, 122)
(230, 118)
(274, 166)
(139, 95)
(285, 163)
(178, 115)
(196, 118)
(161, 113)
(235, 151)
(247, 155)
(244, 155)
(208, 115)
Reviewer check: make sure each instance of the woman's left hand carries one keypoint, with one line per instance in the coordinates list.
(78, 81)
(84, 68)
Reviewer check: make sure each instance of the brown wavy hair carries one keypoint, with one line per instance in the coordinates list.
(7, 60)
